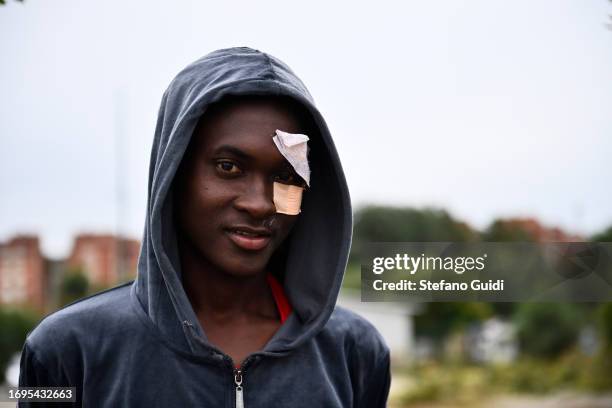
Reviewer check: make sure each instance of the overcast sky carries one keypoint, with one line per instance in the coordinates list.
(485, 108)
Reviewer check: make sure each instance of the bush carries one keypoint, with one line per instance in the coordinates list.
(546, 330)
(14, 326)
(439, 319)
(598, 375)
(605, 324)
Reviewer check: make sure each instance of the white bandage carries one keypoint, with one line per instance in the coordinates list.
(293, 147)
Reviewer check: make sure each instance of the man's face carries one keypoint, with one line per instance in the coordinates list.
(224, 189)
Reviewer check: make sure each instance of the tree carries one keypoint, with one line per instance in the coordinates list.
(74, 286)
(603, 236)
(507, 231)
(405, 224)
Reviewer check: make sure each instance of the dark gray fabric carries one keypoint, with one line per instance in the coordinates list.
(141, 344)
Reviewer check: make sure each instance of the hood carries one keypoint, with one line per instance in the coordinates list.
(318, 250)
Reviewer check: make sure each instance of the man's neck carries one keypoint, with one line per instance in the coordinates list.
(221, 296)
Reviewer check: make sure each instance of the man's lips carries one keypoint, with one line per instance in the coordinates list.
(251, 239)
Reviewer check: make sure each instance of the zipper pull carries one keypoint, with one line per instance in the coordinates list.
(239, 389)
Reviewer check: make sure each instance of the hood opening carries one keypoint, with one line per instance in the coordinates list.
(309, 264)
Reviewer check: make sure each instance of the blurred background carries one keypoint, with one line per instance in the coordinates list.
(455, 121)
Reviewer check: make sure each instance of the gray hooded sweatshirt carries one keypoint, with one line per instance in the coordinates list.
(141, 345)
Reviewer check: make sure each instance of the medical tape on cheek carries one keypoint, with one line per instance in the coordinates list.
(294, 148)
(287, 198)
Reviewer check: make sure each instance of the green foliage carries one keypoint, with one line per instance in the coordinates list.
(603, 236)
(470, 385)
(14, 326)
(393, 224)
(352, 276)
(598, 375)
(74, 286)
(537, 376)
(439, 319)
(462, 385)
(404, 224)
(546, 330)
(401, 224)
(605, 323)
(502, 231)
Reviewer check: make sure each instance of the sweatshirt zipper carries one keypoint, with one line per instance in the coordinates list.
(237, 372)
(238, 380)
(239, 388)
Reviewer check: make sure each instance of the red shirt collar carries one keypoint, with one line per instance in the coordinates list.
(282, 303)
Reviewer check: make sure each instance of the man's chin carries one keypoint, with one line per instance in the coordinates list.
(246, 269)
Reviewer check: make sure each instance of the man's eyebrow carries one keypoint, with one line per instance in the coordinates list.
(232, 150)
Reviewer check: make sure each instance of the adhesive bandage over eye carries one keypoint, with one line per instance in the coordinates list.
(294, 148)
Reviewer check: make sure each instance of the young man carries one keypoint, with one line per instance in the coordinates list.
(245, 245)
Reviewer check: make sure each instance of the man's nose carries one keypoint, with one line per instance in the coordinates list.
(257, 198)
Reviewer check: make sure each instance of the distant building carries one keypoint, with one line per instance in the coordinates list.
(105, 259)
(23, 272)
(492, 341)
(394, 321)
(27, 278)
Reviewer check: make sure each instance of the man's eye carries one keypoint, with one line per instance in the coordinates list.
(286, 178)
(228, 167)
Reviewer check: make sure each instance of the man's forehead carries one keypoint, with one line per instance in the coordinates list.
(245, 122)
(252, 112)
